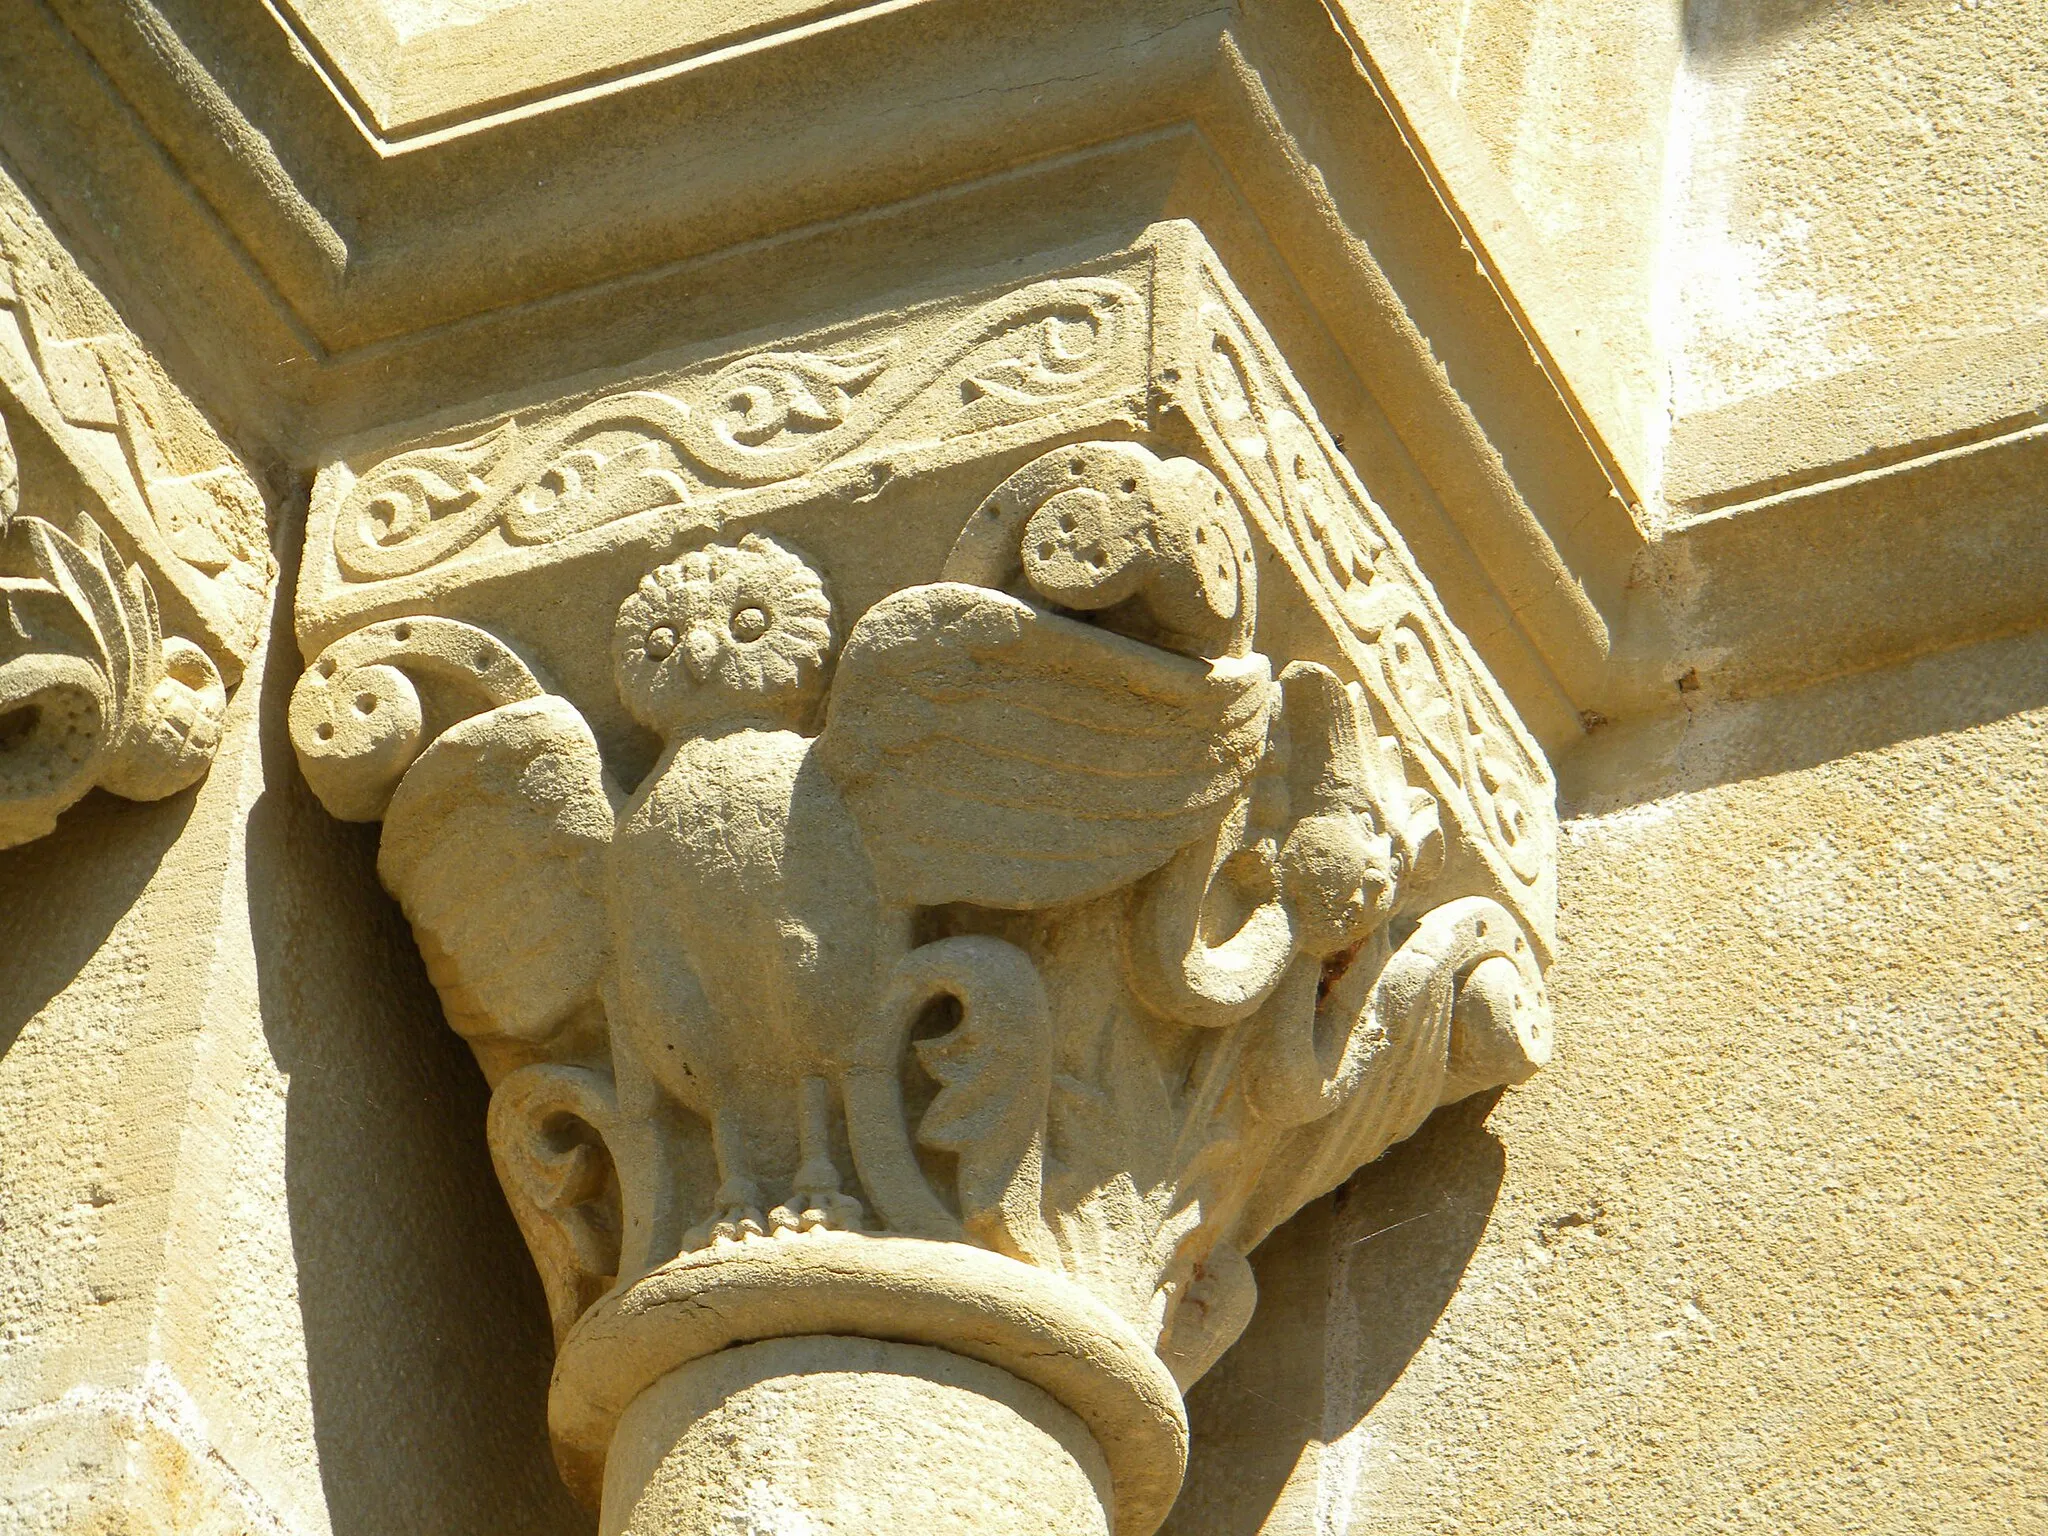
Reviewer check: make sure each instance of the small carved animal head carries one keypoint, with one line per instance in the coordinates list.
(726, 631)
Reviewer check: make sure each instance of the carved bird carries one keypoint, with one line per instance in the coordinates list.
(739, 886)
(746, 916)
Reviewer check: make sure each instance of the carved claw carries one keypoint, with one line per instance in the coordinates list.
(735, 1222)
(817, 1200)
(812, 1210)
(738, 1200)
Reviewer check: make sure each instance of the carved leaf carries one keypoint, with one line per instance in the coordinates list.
(1385, 1046)
(998, 754)
(495, 844)
(994, 1069)
(551, 1129)
(94, 693)
(770, 394)
(1049, 357)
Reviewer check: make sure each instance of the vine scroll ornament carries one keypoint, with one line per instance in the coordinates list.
(989, 965)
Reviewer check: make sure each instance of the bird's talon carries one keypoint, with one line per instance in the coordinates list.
(829, 1210)
(733, 1224)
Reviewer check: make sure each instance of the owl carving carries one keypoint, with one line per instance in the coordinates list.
(745, 921)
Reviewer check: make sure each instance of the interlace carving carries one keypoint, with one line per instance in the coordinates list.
(168, 470)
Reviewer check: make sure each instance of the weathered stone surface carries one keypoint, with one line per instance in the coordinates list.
(1034, 928)
(1592, 385)
(112, 487)
(851, 1434)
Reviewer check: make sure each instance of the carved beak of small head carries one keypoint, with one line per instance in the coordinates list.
(700, 652)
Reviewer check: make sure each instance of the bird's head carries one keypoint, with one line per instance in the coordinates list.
(726, 632)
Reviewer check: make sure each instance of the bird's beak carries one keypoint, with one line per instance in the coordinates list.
(700, 650)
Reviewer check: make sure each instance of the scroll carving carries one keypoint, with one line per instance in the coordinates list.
(981, 937)
(764, 418)
(1286, 468)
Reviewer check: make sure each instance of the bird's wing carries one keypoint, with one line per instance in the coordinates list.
(495, 845)
(994, 753)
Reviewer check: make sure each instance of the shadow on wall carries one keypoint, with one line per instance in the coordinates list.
(427, 1339)
(62, 895)
(1727, 741)
(1382, 1257)
(1717, 30)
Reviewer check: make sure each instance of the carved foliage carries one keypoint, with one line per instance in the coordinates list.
(92, 692)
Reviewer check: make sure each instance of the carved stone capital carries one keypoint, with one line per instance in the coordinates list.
(942, 832)
(92, 692)
(133, 556)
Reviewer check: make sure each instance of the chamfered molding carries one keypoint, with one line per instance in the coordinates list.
(134, 559)
(944, 830)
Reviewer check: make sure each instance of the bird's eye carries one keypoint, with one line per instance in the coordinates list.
(661, 642)
(749, 624)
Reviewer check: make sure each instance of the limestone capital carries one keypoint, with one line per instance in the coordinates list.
(944, 830)
(134, 565)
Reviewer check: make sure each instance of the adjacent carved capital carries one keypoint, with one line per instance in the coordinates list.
(944, 833)
(92, 692)
(133, 557)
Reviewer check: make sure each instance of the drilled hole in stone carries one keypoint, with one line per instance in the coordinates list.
(1076, 468)
(366, 703)
(17, 725)
(323, 731)
(1129, 485)
(326, 668)
(402, 634)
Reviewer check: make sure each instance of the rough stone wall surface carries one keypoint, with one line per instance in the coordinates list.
(1757, 194)
(1762, 1251)
(1858, 181)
